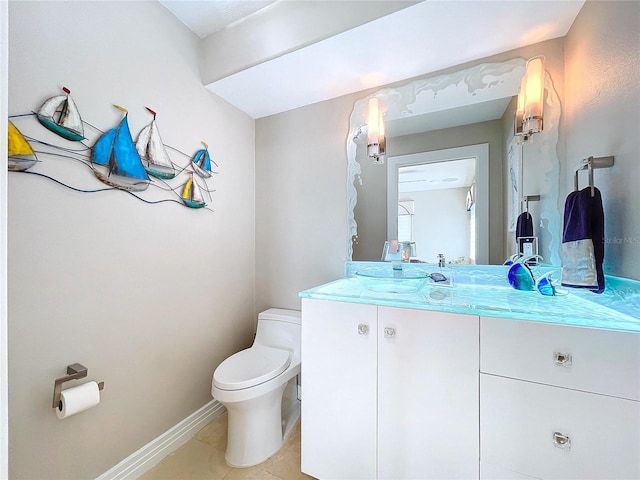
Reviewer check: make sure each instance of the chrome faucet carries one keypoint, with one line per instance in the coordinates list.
(441, 260)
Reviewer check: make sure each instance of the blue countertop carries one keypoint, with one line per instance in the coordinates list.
(485, 291)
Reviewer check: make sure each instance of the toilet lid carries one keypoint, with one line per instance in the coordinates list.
(251, 367)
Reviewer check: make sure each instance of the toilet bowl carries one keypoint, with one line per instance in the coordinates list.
(259, 386)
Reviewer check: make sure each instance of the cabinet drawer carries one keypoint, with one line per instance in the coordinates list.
(592, 360)
(554, 433)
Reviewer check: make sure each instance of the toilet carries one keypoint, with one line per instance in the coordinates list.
(259, 388)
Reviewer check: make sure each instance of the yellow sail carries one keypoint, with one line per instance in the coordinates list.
(20, 154)
(17, 143)
(186, 191)
(191, 195)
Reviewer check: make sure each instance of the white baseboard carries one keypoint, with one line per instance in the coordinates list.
(148, 456)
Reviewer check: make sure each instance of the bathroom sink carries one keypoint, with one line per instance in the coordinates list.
(385, 280)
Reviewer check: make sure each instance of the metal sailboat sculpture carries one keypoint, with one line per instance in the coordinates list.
(115, 159)
(60, 115)
(20, 155)
(201, 162)
(191, 194)
(154, 156)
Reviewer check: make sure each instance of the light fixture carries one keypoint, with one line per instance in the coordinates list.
(529, 111)
(376, 140)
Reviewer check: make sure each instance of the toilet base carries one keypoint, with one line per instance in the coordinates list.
(258, 427)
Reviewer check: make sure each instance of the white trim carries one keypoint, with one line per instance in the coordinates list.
(481, 153)
(153, 452)
(4, 356)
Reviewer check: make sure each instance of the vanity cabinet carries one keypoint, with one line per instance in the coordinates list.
(388, 393)
(558, 401)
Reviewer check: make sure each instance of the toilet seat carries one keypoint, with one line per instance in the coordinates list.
(250, 367)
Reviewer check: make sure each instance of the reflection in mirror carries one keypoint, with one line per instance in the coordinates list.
(414, 110)
(439, 200)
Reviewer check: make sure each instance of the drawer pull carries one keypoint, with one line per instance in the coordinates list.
(363, 329)
(562, 359)
(561, 441)
(389, 332)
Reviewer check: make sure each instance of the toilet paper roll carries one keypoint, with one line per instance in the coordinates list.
(77, 399)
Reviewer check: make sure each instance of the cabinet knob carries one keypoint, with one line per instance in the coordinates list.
(562, 359)
(389, 332)
(363, 329)
(561, 440)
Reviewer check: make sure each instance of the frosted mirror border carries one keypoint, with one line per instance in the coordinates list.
(480, 83)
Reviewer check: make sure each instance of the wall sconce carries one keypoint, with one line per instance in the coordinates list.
(376, 140)
(529, 112)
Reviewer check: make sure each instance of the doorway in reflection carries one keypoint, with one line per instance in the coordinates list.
(436, 209)
(439, 200)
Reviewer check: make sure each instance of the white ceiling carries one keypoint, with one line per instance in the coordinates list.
(205, 17)
(437, 175)
(416, 40)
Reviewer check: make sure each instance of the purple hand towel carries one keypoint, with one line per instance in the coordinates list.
(583, 241)
(524, 225)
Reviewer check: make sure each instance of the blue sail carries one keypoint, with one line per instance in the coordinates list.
(201, 162)
(116, 151)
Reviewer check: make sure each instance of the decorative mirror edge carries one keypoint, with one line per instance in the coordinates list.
(479, 77)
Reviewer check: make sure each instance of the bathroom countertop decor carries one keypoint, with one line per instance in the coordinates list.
(484, 290)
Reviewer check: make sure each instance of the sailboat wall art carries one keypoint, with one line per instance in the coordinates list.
(112, 156)
(153, 154)
(60, 115)
(20, 155)
(191, 194)
(115, 159)
(201, 162)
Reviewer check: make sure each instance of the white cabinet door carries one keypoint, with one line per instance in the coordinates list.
(555, 433)
(339, 406)
(428, 415)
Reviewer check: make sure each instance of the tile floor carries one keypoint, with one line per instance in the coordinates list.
(202, 458)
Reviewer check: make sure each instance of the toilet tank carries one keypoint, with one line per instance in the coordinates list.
(279, 328)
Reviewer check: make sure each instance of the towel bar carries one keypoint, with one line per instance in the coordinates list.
(529, 198)
(589, 164)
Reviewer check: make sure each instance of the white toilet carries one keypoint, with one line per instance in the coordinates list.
(258, 386)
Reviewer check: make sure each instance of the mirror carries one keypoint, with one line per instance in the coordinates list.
(454, 103)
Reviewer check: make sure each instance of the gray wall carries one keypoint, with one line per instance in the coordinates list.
(151, 298)
(603, 118)
(301, 201)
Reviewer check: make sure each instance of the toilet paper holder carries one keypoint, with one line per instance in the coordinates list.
(74, 372)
